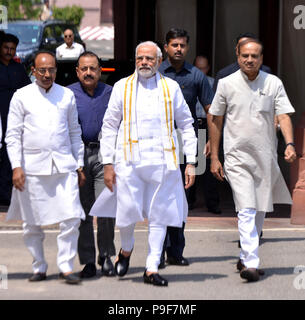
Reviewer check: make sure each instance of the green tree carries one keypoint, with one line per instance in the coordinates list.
(72, 14)
(22, 9)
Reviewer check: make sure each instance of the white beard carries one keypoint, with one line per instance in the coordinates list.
(145, 73)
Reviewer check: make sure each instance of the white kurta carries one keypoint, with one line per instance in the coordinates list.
(44, 138)
(249, 138)
(148, 187)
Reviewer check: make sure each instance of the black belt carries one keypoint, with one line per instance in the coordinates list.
(92, 145)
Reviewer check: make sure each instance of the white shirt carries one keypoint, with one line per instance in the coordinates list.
(63, 51)
(43, 129)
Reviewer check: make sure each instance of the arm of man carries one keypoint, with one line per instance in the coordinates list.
(215, 124)
(25, 80)
(205, 97)
(76, 140)
(207, 147)
(287, 131)
(111, 123)
(184, 121)
(14, 132)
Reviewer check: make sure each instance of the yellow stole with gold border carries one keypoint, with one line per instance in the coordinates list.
(130, 139)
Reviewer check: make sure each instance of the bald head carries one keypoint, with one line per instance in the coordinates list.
(202, 63)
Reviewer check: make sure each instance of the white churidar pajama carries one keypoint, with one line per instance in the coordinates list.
(148, 181)
(250, 224)
(251, 166)
(67, 239)
(44, 139)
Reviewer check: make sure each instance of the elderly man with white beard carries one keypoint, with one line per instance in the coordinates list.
(139, 148)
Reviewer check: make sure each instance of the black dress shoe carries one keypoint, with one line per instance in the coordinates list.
(240, 266)
(155, 279)
(177, 262)
(250, 274)
(122, 265)
(215, 210)
(40, 276)
(70, 278)
(107, 267)
(89, 271)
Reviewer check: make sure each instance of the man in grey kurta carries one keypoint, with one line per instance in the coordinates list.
(246, 102)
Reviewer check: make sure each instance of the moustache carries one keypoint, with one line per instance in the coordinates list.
(88, 77)
(145, 68)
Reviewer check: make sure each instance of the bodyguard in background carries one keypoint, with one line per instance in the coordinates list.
(12, 77)
(194, 86)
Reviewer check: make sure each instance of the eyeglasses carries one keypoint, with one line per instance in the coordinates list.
(68, 35)
(43, 71)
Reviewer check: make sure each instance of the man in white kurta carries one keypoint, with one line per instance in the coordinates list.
(45, 149)
(138, 137)
(247, 102)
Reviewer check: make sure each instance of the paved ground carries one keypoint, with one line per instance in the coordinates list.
(211, 249)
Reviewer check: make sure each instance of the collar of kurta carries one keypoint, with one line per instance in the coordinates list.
(43, 90)
(131, 143)
(72, 46)
(246, 77)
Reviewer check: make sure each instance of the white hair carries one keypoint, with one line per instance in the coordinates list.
(150, 43)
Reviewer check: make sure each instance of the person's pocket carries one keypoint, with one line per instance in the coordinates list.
(265, 104)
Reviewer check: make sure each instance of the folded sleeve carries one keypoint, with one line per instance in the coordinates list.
(219, 103)
(281, 100)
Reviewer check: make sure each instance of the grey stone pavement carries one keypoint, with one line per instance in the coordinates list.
(211, 247)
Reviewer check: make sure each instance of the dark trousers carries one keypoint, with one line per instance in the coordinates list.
(208, 181)
(94, 185)
(174, 242)
(210, 188)
(5, 177)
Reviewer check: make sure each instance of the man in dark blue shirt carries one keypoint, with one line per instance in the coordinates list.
(12, 77)
(194, 85)
(92, 97)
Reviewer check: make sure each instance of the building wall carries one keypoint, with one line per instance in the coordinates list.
(232, 18)
(292, 64)
(92, 10)
(178, 14)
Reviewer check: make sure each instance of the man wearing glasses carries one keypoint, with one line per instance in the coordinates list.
(69, 49)
(46, 152)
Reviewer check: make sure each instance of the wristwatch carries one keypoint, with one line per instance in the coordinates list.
(290, 144)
